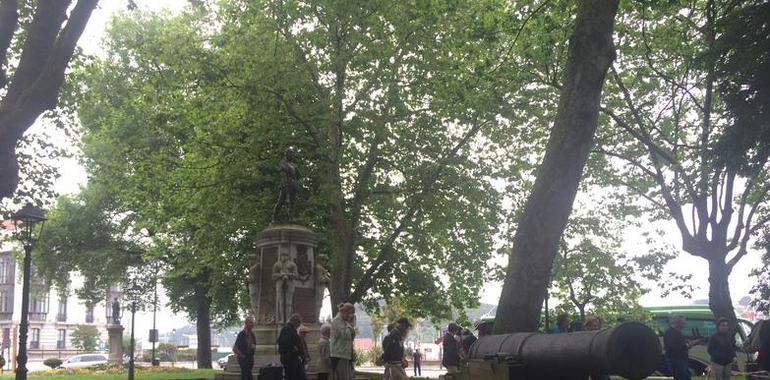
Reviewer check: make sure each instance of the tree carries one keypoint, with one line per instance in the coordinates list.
(548, 207)
(84, 337)
(84, 234)
(395, 149)
(593, 273)
(37, 65)
(761, 290)
(666, 123)
(590, 274)
(184, 133)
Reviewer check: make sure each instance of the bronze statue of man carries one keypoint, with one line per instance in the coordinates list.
(115, 311)
(289, 185)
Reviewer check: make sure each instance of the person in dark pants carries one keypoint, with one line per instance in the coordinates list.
(417, 362)
(451, 348)
(721, 348)
(290, 348)
(764, 347)
(245, 347)
(677, 349)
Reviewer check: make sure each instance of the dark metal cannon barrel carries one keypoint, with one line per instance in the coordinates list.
(631, 350)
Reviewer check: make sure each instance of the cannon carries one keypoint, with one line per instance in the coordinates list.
(631, 350)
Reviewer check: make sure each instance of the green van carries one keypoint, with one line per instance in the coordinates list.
(700, 326)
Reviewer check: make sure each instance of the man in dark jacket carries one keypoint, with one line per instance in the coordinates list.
(677, 349)
(245, 347)
(721, 348)
(764, 347)
(290, 348)
(451, 348)
(393, 350)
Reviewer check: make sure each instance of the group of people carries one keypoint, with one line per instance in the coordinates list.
(335, 347)
(721, 348)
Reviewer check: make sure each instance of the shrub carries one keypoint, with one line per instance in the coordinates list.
(368, 356)
(53, 362)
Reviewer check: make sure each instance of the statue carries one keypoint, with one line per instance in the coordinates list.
(115, 311)
(284, 274)
(289, 185)
(323, 279)
(255, 274)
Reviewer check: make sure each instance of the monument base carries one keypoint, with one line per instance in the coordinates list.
(115, 333)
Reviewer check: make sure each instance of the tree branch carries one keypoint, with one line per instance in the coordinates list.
(41, 37)
(9, 18)
(386, 248)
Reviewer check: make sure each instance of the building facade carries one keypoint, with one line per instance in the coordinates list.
(52, 318)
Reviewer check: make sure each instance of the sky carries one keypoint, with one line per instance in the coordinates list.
(73, 176)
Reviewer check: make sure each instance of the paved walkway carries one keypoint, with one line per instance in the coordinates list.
(427, 372)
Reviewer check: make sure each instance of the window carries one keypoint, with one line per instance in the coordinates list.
(6, 338)
(5, 270)
(5, 301)
(61, 341)
(90, 314)
(38, 307)
(61, 313)
(35, 341)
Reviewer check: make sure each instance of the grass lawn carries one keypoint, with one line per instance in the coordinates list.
(165, 374)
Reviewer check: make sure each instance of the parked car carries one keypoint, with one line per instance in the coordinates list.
(85, 361)
(223, 361)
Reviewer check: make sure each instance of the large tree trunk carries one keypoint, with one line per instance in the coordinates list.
(535, 243)
(344, 251)
(720, 302)
(203, 328)
(34, 88)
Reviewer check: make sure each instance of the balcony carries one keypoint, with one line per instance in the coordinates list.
(37, 316)
(61, 317)
(34, 345)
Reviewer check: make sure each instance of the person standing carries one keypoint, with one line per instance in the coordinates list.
(244, 348)
(324, 361)
(592, 324)
(764, 346)
(341, 342)
(562, 324)
(721, 348)
(677, 349)
(451, 359)
(303, 331)
(393, 350)
(290, 348)
(467, 341)
(417, 362)
(390, 327)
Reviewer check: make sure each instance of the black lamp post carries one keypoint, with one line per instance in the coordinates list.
(133, 291)
(25, 222)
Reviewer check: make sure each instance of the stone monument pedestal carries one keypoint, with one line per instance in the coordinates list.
(299, 243)
(115, 333)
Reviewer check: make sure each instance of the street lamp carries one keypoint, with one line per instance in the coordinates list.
(133, 292)
(25, 222)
